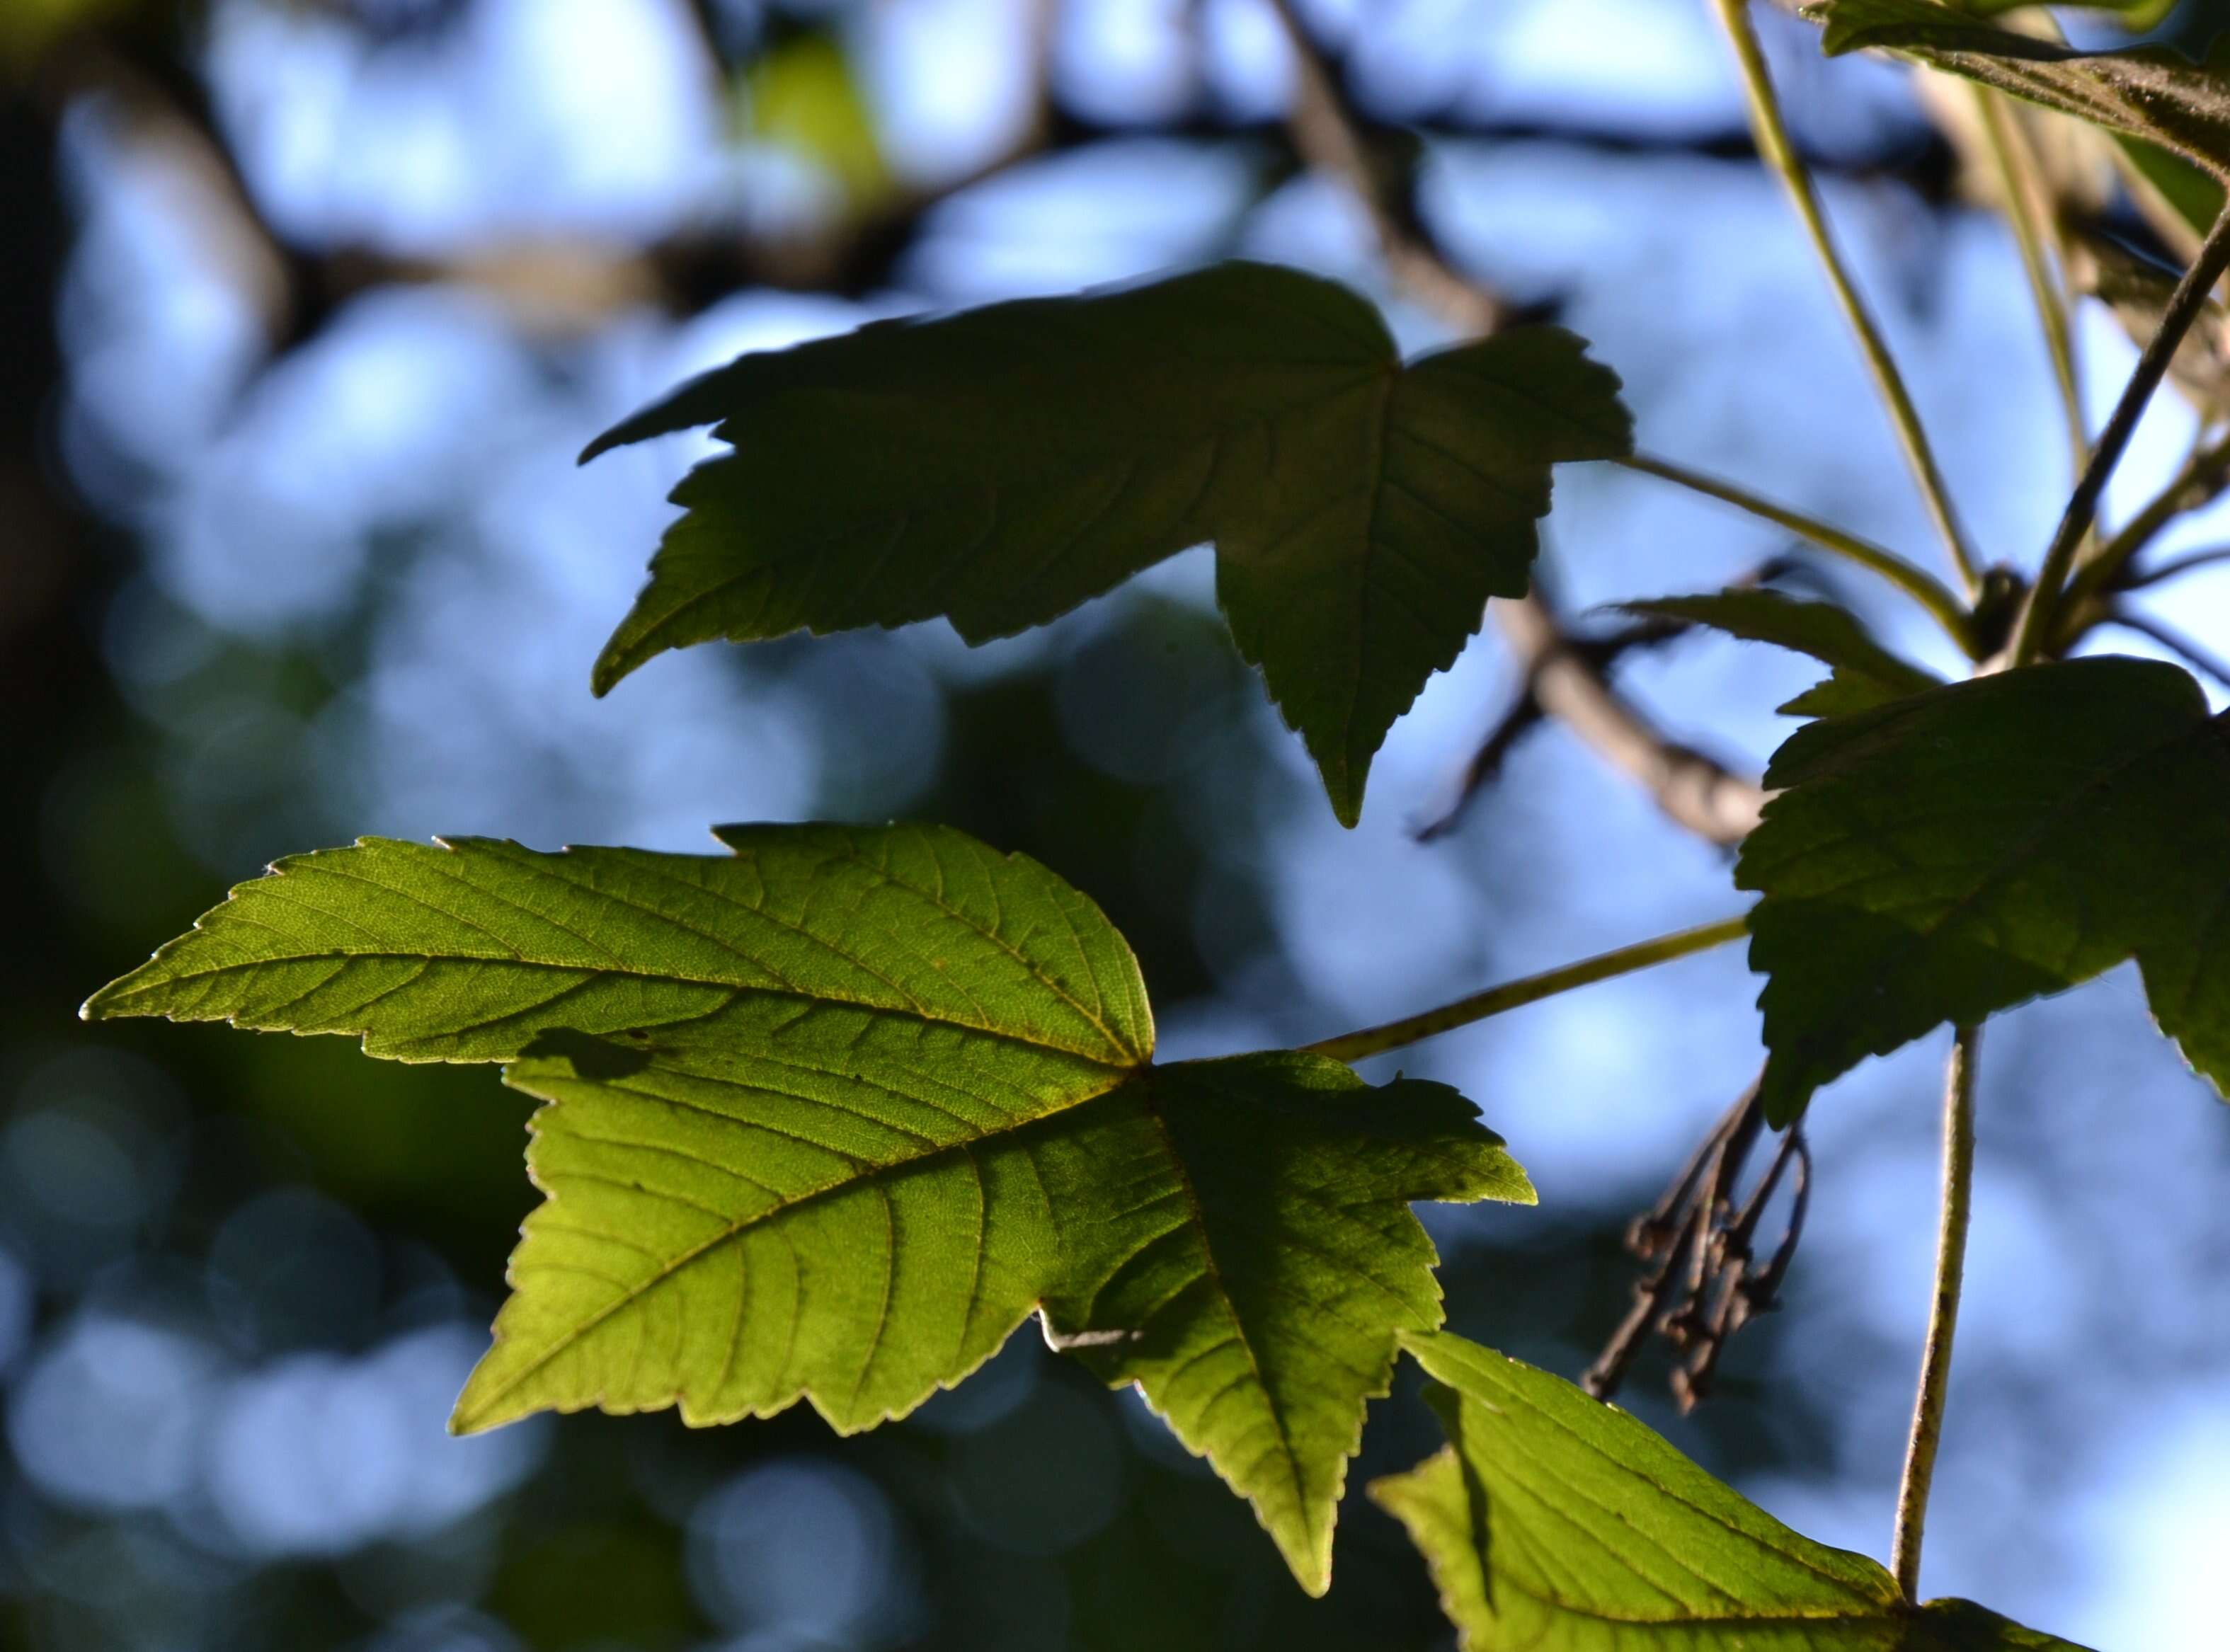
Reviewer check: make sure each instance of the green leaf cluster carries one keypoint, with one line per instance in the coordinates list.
(826, 1117)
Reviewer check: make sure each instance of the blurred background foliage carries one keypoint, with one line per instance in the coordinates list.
(307, 306)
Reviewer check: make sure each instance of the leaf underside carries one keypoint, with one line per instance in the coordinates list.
(829, 1115)
(1554, 1523)
(1953, 854)
(2150, 93)
(1001, 466)
(1866, 674)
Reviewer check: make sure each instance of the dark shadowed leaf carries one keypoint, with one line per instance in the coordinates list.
(1554, 1523)
(1953, 854)
(830, 1116)
(2152, 93)
(1867, 674)
(1001, 466)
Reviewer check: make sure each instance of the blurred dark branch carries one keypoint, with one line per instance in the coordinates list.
(1564, 679)
(1328, 132)
(146, 84)
(1694, 790)
(566, 284)
(1597, 654)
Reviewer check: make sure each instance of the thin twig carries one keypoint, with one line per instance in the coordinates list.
(1530, 989)
(1703, 1286)
(1739, 1293)
(2184, 308)
(2016, 176)
(2204, 475)
(1774, 145)
(1604, 1378)
(1915, 582)
(1944, 1315)
(1673, 1233)
(2196, 560)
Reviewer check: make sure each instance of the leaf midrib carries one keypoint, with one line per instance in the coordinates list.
(735, 994)
(734, 1231)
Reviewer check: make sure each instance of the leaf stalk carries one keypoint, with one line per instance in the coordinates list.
(1944, 1317)
(1780, 154)
(2016, 179)
(1917, 583)
(1528, 989)
(2203, 476)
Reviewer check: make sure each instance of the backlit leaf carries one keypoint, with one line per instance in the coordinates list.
(1953, 854)
(1554, 1523)
(1001, 466)
(829, 1115)
(2152, 93)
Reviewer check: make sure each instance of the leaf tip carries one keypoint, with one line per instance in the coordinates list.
(604, 675)
(1343, 788)
(106, 1005)
(476, 1413)
(1308, 1556)
(1782, 1095)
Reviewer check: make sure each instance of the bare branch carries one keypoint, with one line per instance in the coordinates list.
(1696, 791)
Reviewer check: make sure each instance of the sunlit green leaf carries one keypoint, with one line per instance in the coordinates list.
(1001, 466)
(802, 93)
(1554, 1523)
(1948, 856)
(2152, 93)
(831, 1115)
(1866, 675)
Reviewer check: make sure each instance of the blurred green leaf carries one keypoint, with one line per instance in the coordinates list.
(1867, 674)
(829, 1117)
(28, 26)
(1953, 854)
(2152, 93)
(802, 94)
(1555, 1523)
(1000, 466)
